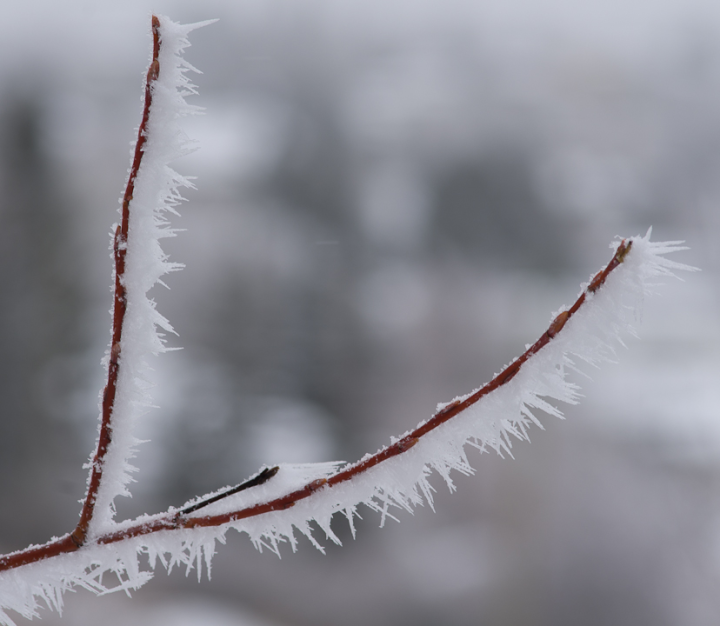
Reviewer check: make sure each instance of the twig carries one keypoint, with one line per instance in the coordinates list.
(79, 535)
(260, 479)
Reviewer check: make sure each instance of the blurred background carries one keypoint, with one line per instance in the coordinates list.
(392, 197)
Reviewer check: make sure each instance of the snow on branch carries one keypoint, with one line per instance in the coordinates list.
(152, 191)
(278, 502)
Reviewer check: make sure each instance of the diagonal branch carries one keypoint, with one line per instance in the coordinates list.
(182, 519)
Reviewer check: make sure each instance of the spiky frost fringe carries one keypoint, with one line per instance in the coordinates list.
(157, 193)
(590, 337)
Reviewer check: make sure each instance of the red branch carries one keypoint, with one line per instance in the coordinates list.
(79, 535)
(174, 520)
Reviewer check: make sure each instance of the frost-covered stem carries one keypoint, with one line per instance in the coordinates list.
(77, 538)
(452, 409)
(120, 303)
(74, 540)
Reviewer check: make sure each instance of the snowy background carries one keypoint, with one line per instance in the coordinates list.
(392, 198)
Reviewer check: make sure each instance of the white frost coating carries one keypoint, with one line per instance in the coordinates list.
(590, 336)
(156, 193)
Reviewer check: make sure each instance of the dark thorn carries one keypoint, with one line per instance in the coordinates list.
(260, 479)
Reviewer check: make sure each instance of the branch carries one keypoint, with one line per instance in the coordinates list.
(120, 244)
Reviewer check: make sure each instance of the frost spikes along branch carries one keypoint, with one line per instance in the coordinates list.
(120, 240)
(152, 191)
(277, 501)
(391, 477)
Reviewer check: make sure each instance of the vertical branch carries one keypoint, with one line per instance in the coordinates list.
(120, 302)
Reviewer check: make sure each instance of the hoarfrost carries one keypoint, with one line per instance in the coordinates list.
(591, 337)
